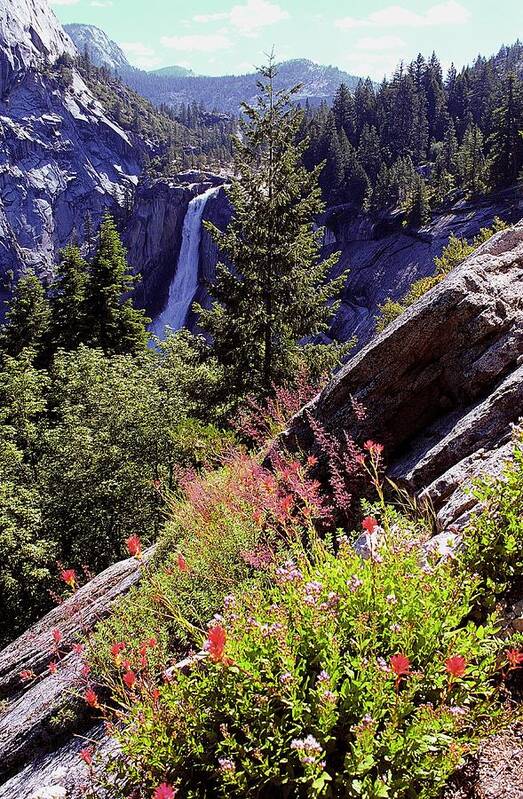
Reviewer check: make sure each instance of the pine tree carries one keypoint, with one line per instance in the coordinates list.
(506, 146)
(343, 110)
(28, 317)
(472, 165)
(420, 211)
(113, 323)
(382, 196)
(333, 175)
(68, 300)
(369, 152)
(273, 292)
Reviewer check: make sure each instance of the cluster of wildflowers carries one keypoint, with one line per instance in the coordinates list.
(288, 573)
(308, 749)
(260, 422)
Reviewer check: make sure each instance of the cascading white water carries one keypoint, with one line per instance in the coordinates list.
(185, 281)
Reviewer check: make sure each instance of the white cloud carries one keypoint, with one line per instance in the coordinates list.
(249, 18)
(140, 55)
(211, 17)
(201, 43)
(447, 13)
(375, 65)
(64, 2)
(101, 3)
(379, 43)
(256, 14)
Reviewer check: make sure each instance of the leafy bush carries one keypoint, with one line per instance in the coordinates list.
(89, 451)
(226, 530)
(454, 253)
(493, 540)
(346, 678)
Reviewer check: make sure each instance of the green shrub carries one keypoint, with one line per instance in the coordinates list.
(225, 531)
(493, 540)
(306, 699)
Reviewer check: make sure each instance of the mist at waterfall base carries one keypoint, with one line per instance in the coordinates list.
(185, 279)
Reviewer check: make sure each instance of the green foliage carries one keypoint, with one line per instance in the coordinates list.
(26, 552)
(113, 323)
(472, 166)
(274, 290)
(308, 705)
(90, 450)
(27, 318)
(68, 300)
(493, 540)
(454, 253)
(461, 133)
(87, 303)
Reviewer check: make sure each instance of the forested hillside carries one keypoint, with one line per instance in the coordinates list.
(422, 139)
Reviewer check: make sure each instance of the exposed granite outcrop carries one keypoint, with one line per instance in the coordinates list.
(61, 156)
(443, 384)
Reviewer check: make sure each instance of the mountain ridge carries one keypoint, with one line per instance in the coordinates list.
(222, 93)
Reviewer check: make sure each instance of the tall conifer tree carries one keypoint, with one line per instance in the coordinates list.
(68, 300)
(113, 323)
(27, 320)
(273, 293)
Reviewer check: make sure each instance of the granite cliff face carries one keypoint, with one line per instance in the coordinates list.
(103, 52)
(30, 35)
(443, 384)
(61, 157)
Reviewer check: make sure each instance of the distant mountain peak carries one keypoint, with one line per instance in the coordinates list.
(173, 71)
(103, 51)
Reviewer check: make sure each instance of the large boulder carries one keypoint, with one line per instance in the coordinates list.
(443, 384)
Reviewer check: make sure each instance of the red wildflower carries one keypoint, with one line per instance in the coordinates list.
(134, 545)
(87, 755)
(369, 524)
(69, 577)
(373, 448)
(215, 644)
(182, 564)
(287, 504)
(53, 667)
(27, 675)
(78, 649)
(514, 658)
(312, 460)
(456, 665)
(164, 791)
(57, 636)
(129, 679)
(155, 694)
(400, 664)
(91, 698)
(152, 642)
(85, 670)
(117, 649)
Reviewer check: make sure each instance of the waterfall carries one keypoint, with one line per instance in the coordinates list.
(185, 281)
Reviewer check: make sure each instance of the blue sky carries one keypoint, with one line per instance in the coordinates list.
(216, 37)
